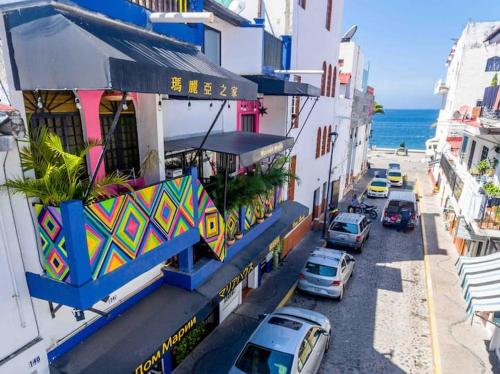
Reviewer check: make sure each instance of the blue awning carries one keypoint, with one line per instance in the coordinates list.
(55, 47)
(279, 87)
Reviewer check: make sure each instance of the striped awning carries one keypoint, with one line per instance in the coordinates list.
(480, 282)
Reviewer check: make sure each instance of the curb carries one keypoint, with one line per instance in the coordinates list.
(287, 296)
(436, 355)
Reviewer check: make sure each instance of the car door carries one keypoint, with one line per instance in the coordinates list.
(316, 341)
(304, 363)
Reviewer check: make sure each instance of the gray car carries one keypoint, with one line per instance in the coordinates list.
(349, 230)
(290, 340)
(326, 273)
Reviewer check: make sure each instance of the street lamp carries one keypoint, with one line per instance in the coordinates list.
(333, 138)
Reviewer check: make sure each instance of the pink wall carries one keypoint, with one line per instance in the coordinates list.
(248, 107)
(90, 101)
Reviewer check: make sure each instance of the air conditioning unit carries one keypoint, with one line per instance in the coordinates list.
(173, 173)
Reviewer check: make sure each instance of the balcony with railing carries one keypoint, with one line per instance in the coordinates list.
(167, 6)
(440, 88)
(273, 53)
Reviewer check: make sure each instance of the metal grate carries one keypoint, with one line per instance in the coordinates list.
(123, 153)
(273, 51)
(164, 5)
(67, 126)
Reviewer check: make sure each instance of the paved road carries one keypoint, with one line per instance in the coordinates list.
(381, 325)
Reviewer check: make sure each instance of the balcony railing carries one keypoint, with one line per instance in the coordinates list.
(491, 217)
(273, 51)
(166, 6)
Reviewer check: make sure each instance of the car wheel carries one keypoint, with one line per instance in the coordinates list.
(327, 345)
(360, 249)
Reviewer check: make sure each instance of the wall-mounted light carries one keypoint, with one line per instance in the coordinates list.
(189, 104)
(39, 102)
(125, 106)
(77, 103)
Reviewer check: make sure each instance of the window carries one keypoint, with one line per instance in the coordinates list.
(471, 154)
(378, 184)
(257, 360)
(484, 153)
(323, 270)
(304, 353)
(123, 152)
(248, 122)
(323, 79)
(296, 105)
(329, 142)
(302, 4)
(323, 143)
(284, 322)
(334, 82)
(212, 45)
(349, 228)
(465, 141)
(341, 62)
(493, 64)
(313, 336)
(343, 265)
(318, 143)
(329, 81)
(328, 14)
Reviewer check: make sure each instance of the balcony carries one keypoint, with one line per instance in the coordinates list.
(273, 52)
(440, 88)
(491, 216)
(166, 6)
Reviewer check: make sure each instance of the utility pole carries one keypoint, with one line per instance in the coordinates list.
(332, 137)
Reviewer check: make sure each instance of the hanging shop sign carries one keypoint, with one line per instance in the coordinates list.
(166, 347)
(274, 244)
(235, 281)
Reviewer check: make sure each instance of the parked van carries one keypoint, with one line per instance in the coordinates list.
(396, 200)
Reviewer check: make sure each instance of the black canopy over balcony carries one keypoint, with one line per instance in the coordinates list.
(280, 87)
(249, 147)
(55, 47)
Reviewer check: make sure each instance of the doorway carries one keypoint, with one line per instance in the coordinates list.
(335, 193)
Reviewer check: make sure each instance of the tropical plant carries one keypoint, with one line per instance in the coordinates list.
(59, 175)
(492, 190)
(377, 108)
(481, 168)
(494, 80)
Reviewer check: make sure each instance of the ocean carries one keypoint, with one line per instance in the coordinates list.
(413, 126)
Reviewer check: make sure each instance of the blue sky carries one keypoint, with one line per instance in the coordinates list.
(407, 43)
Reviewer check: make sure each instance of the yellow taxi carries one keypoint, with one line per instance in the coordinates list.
(378, 187)
(395, 177)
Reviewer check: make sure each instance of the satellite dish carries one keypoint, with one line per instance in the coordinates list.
(237, 6)
(349, 34)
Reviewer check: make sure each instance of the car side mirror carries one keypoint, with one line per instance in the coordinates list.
(262, 316)
(324, 332)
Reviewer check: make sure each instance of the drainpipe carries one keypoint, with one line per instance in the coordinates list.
(287, 17)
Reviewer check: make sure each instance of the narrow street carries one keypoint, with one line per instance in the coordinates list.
(381, 325)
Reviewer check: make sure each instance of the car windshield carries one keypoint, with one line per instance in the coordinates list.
(259, 360)
(325, 271)
(379, 184)
(394, 174)
(349, 228)
(393, 166)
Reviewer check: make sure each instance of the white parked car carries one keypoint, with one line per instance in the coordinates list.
(288, 341)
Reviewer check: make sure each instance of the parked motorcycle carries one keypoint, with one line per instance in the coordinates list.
(369, 210)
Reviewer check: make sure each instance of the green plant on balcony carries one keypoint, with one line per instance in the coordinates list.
(494, 80)
(484, 167)
(58, 175)
(377, 108)
(492, 190)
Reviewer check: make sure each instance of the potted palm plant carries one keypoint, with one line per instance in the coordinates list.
(59, 175)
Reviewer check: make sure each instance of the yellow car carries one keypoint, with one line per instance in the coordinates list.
(395, 177)
(378, 187)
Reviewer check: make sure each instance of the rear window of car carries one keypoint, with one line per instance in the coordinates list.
(394, 174)
(379, 184)
(395, 206)
(294, 325)
(258, 360)
(323, 270)
(349, 228)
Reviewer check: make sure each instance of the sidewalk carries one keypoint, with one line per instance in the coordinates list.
(217, 352)
(461, 347)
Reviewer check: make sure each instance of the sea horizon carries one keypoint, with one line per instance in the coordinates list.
(411, 126)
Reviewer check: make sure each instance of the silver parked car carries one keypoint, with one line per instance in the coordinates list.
(326, 273)
(288, 341)
(350, 230)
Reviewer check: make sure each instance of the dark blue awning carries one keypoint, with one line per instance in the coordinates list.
(280, 87)
(54, 47)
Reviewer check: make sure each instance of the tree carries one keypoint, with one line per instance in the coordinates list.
(59, 175)
(377, 108)
(494, 80)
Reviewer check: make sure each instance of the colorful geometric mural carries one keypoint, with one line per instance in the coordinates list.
(211, 225)
(232, 222)
(123, 228)
(250, 218)
(52, 240)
